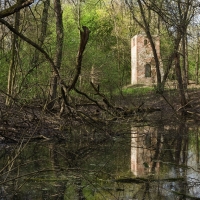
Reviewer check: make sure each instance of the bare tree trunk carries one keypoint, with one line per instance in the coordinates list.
(167, 70)
(14, 63)
(149, 36)
(42, 35)
(84, 36)
(145, 25)
(179, 79)
(197, 147)
(43, 31)
(58, 57)
(185, 63)
(197, 64)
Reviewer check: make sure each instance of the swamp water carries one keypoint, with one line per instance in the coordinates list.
(122, 161)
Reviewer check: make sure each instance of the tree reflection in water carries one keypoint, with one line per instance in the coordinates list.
(156, 162)
(168, 157)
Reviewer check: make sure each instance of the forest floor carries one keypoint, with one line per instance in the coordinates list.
(32, 121)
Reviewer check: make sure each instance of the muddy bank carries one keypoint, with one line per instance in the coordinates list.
(33, 121)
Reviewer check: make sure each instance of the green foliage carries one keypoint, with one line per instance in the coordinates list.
(4, 63)
(107, 51)
(137, 91)
(98, 21)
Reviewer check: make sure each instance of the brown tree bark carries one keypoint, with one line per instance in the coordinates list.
(149, 36)
(15, 8)
(84, 36)
(145, 25)
(58, 57)
(197, 64)
(29, 41)
(179, 79)
(42, 35)
(14, 62)
(185, 61)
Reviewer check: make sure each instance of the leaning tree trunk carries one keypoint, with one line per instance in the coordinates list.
(146, 28)
(58, 57)
(14, 63)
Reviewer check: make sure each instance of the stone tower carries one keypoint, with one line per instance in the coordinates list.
(143, 69)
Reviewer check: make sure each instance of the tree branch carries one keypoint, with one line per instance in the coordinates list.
(16, 7)
(84, 36)
(32, 44)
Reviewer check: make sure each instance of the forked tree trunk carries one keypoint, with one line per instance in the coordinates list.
(84, 36)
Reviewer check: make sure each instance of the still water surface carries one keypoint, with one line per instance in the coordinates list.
(125, 162)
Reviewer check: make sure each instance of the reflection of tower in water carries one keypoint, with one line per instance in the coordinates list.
(143, 150)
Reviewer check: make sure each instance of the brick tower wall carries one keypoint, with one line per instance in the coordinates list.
(143, 69)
